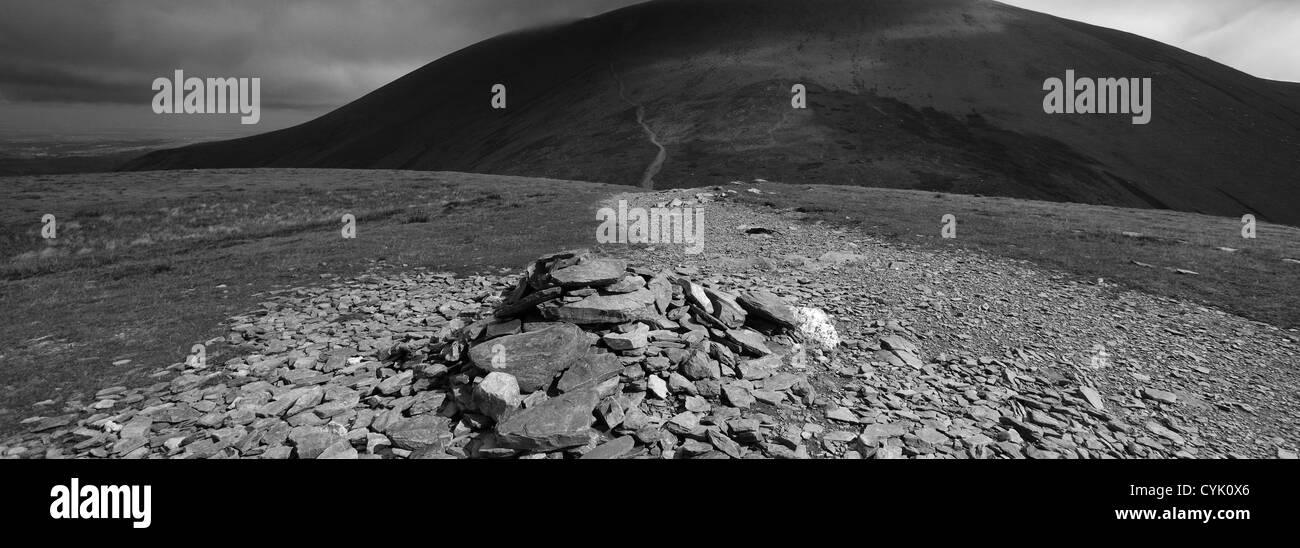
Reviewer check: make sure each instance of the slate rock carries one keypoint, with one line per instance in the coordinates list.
(611, 413)
(137, 427)
(557, 423)
(661, 292)
(503, 328)
(387, 387)
(1045, 419)
(843, 414)
(626, 284)
(339, 450)
(633, 340)
(769, 307)
(931, 436)
(427, 402)
(497, 395)
(612, 449)
(760, 368)
(697, 404)
(528, 303)
(1166, 433)
(699, 366)
(908, 358)
(589, 371)
(1159, 395)
(419, 432)
(749, 341)
(1093, 397)
(339, 406)
(533, 358)
(895, 342)
(597, 309)
(176, 414)
(781, 381)
(277, 452)
(889, 452)
(309, 441)
(677, 384)
(590, 272)
(770, 397)
(657, 386)
(725, 307)
(738, 396)
(725, 444)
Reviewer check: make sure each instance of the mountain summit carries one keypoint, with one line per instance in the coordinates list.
(943, 95)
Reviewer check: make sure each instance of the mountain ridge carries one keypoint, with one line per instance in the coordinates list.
(941, 95)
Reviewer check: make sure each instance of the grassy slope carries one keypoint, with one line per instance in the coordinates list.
(1086, 240)
(68, 317)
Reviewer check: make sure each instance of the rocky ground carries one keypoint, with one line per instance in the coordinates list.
(781, 340)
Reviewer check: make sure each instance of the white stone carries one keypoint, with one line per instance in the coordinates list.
(498, 394)
(817, 328)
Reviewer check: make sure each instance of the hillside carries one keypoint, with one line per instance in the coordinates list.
(941, 95)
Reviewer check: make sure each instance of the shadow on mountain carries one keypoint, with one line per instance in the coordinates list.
(939, 95)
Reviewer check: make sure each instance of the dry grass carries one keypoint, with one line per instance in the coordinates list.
(147, 264)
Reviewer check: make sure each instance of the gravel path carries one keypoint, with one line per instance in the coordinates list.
(1232, 380)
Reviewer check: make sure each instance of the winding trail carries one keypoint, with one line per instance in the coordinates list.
(647, 180)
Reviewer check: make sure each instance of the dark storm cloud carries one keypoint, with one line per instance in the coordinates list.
(308, 53)
(315, 54)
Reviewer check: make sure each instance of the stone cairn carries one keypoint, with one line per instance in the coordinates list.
(590, 358)
(580, 357)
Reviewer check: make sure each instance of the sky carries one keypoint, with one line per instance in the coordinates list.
(1258, 37)
(84, 66)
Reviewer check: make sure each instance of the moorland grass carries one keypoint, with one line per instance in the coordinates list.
(145, 265)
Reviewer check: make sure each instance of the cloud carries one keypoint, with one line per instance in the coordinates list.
(316, 54)
(309, 53)
(1259, 37)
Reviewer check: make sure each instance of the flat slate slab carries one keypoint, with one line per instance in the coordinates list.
(619, 308)
(554, 424)
(590, 273)
(533, 358)
(769, 307)
(590, 371)
(749, 341)
(420, 432)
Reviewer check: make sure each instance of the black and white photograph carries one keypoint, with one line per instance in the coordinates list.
(792, 231)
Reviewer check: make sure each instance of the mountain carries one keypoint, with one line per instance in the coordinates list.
(942, 95)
